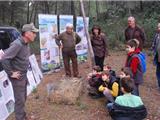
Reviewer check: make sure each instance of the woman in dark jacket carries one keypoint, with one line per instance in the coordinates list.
(99, 45)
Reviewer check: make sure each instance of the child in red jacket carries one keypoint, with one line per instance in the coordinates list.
(133, 62)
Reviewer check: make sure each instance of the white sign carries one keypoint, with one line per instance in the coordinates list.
(82, 47)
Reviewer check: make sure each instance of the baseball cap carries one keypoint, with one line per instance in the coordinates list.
(29, 27)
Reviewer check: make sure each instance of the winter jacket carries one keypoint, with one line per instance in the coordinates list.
(133, 63)
(128, 113)
(135, 33)
(99, 45)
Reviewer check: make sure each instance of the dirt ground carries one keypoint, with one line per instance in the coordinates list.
(86, 108)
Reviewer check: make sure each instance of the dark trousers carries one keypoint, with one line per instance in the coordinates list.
(99, 61)
(158, 73)
(20, 95)
(67, 56)
(136, 90)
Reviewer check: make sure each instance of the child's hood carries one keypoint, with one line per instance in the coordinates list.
(137, 51)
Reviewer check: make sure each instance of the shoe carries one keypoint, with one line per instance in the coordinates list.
(77, 76)
(68, 76)
(97, 96)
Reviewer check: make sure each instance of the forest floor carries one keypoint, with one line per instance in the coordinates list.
(86, 108)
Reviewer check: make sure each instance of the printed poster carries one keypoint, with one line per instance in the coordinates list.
(63, 20)
(34, 74)
(6, 96)
(48, 48)
(82, 47)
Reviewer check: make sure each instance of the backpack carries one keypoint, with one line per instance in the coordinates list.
(143, 64)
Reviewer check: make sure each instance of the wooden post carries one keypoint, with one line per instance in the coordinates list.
(90, 54)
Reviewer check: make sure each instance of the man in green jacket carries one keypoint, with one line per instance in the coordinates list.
(67, 42)
(15, 62)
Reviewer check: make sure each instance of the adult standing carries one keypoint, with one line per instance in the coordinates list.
(99, 45)
(67, 42)
(135, 32)
(156, 50)
(15, 62)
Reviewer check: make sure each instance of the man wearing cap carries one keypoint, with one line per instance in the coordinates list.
(15, 62)
(135, 32)
(67, 42)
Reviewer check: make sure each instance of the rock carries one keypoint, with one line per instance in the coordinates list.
(67, 91)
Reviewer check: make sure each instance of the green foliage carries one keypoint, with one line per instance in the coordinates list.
(110, 15)
(114, 21)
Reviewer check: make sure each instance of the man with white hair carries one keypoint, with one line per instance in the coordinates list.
(67, 42)
(134, 32)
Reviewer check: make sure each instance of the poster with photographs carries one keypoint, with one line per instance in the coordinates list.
(31, 82)
(37, 74)
(3, 111)
(6, 87)
(6, 96)
(34, 65)
(82, 47)
(34, 74)
(63, 20)
(48, 48)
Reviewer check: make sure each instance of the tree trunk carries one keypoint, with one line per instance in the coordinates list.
(3, 12)
(74, 14)
(129, 8)
(91, 54)
(32, 11)
(88, 8)
(97, 9)
(56, 6)
(35, 13)
(46, 7)
(80, 11)
(12, 13)
(141, 5)
(28, 11)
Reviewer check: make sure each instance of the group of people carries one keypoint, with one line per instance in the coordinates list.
(122, 103)
(121, 90)
(133, 31)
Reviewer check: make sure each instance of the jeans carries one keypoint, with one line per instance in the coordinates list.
(109, 96)
(158, 73)
(109, 106)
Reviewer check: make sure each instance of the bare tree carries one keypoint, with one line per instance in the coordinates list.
(12, 12)
(97, 9)
(141, 5)
(88, 8)
(91, 54)
(73, 13)
(56, 7)
(46, 7)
